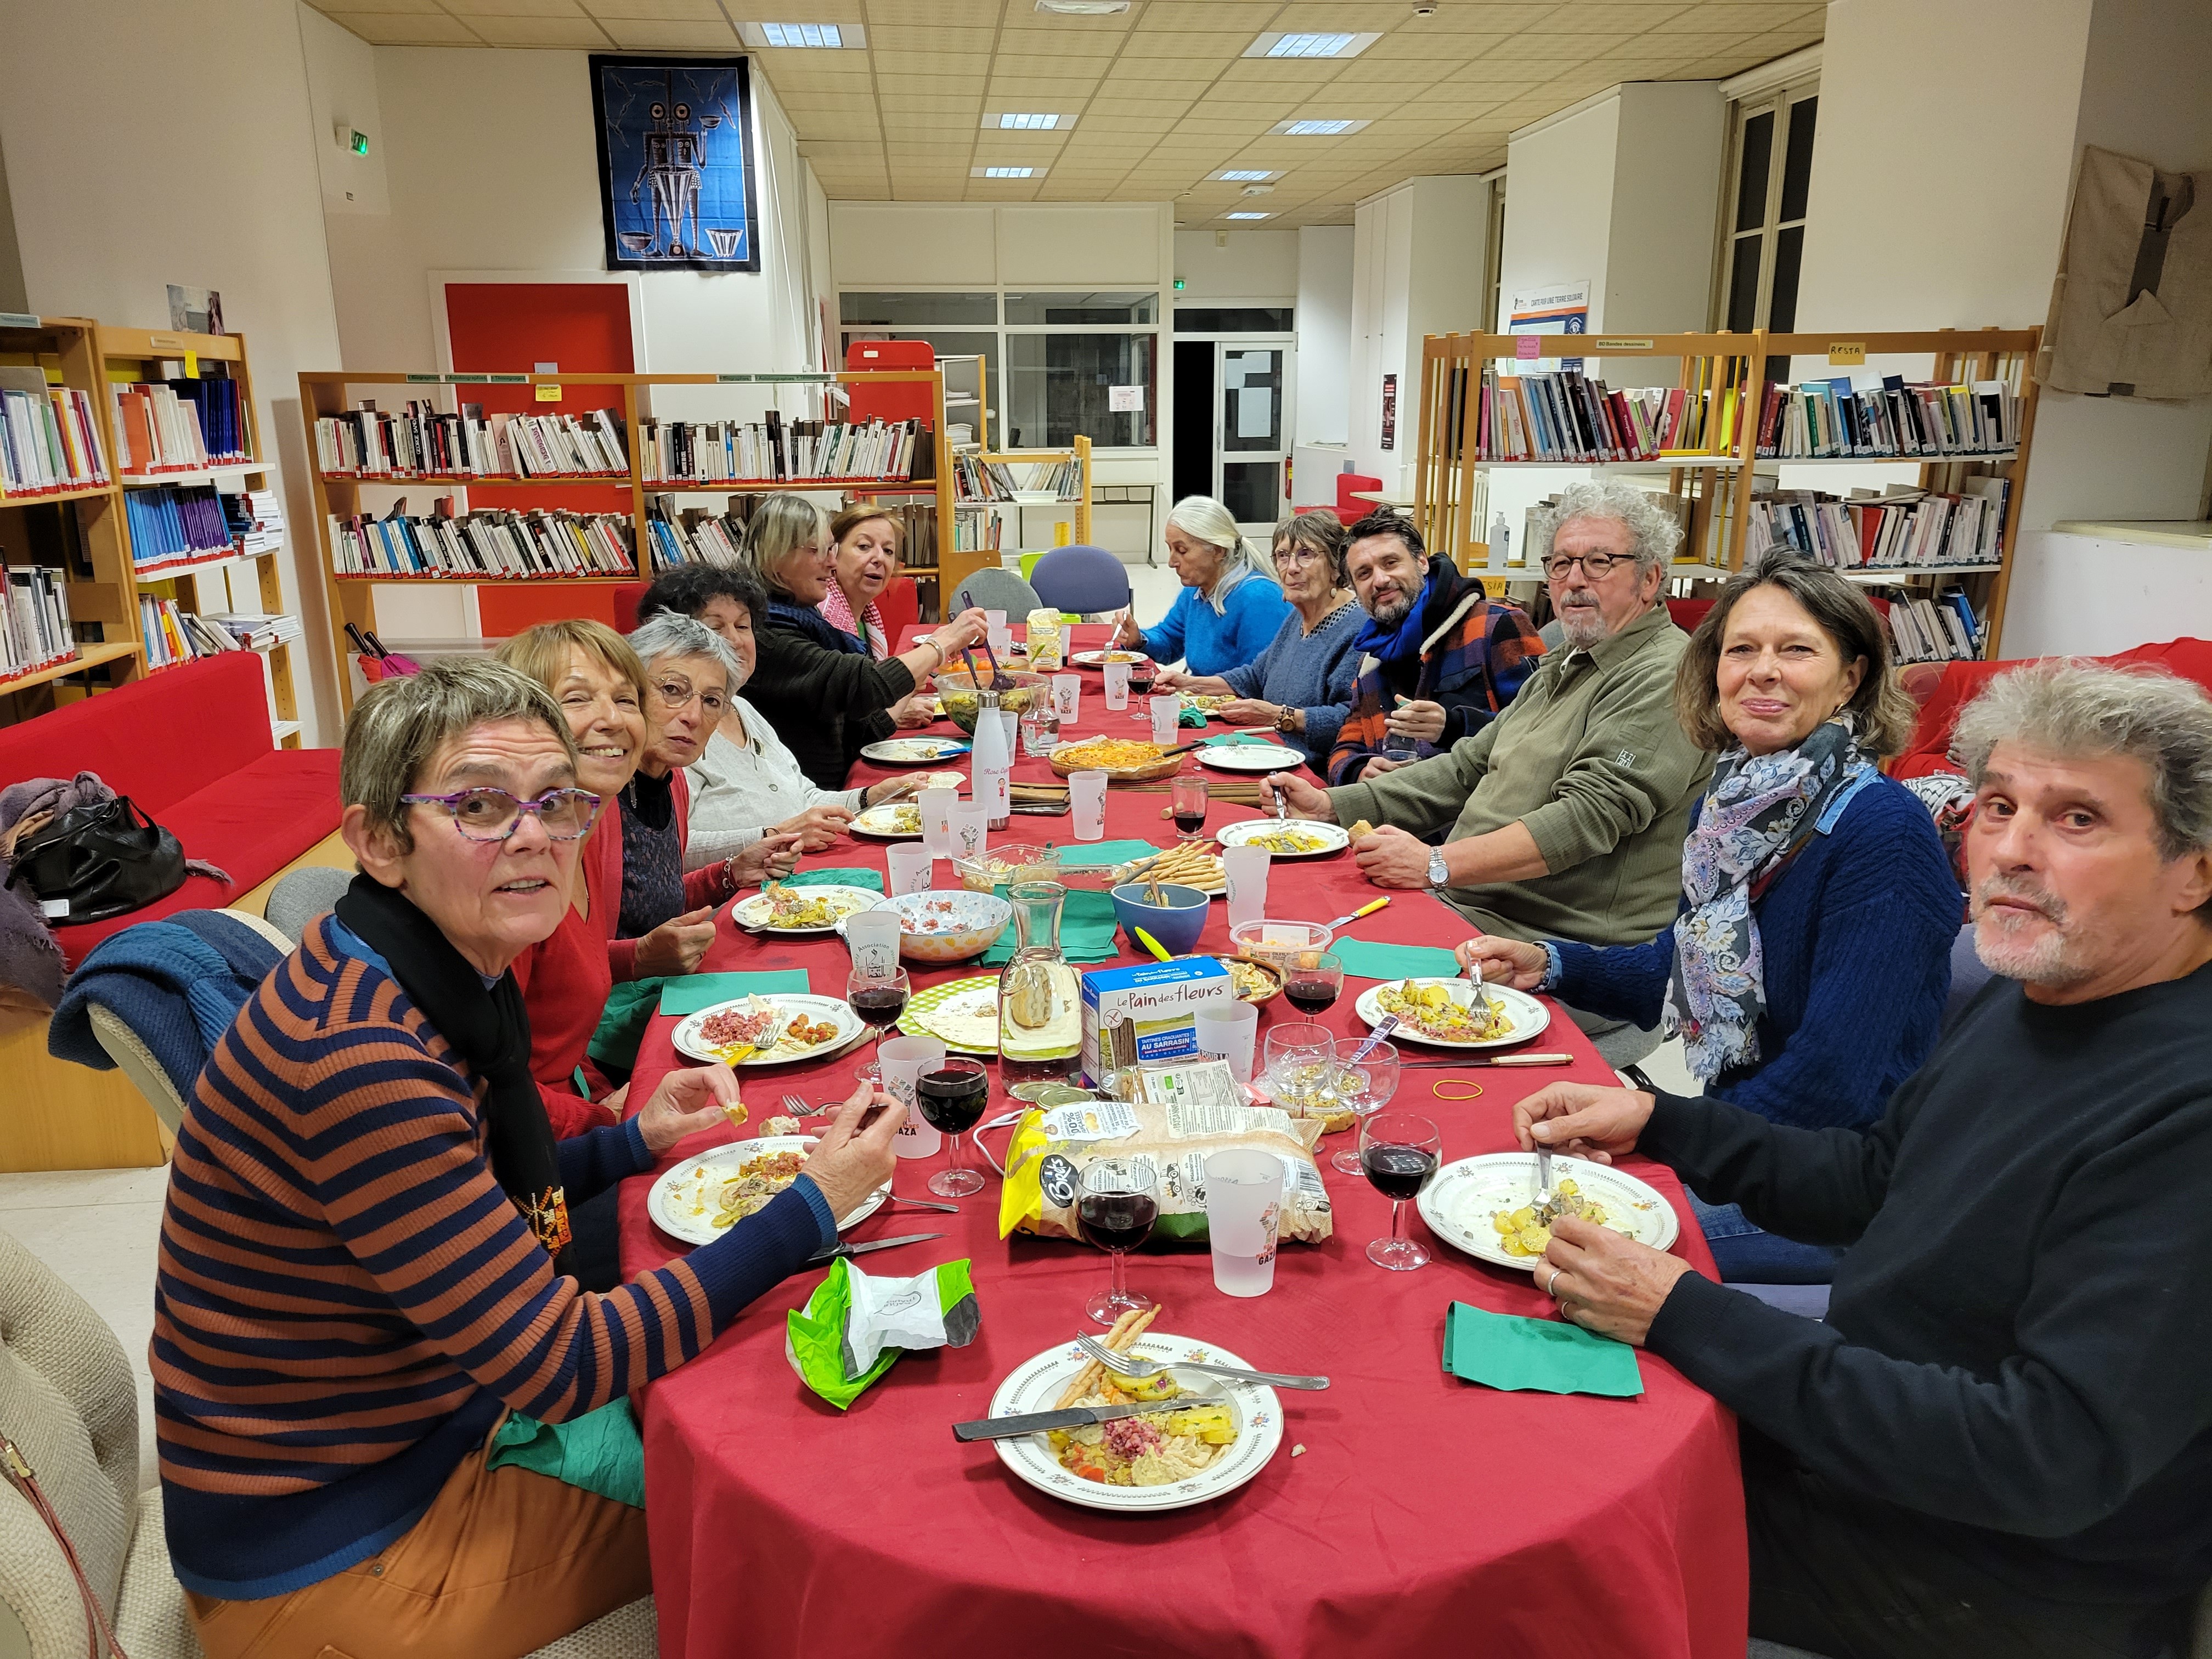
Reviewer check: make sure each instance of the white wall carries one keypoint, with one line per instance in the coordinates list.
(1258, 265)
(1323, 318)
(1666, 195)
(149, 144)
(1559, 205)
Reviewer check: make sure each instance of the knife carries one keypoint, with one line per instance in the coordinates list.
(1075, 1416)
(821, 1256)
(1495, 1060)
(1367, 909)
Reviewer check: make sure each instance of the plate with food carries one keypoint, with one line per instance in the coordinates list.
(1252, 980)
(701, 1198)
(1206, 701)
(786, 910)
(914, 752)
(1286, 838)
(1249, 758)
(1123, 759)
(754, 1030)
(1100, 659)
(1209, 1436)
(1483, 1206)
(961, 1013)
(1450, 1013)
(895, 821)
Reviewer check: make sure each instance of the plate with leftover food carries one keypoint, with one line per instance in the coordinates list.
(1484, 1206)
(757, 1030)
(1285, 838)
(914, 752)
(1450, 1013)
(1100, 659)
(897, 821)
(701, 1198)
(1251, 981)
(1249, 758)
(785, 909)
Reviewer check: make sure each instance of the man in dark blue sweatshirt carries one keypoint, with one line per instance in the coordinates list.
(2000, 1442)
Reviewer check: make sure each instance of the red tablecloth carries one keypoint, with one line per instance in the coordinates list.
(1408, 1513)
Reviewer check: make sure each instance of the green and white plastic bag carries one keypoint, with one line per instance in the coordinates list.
(854, 1326)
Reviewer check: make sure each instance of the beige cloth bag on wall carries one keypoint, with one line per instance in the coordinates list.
(2131, 308)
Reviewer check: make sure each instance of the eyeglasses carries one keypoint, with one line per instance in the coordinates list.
(1286, 557)
(677, 695)
(494, 815)
(1596, 566)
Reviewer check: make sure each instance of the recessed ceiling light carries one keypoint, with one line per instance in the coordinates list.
(803, 34)
(1248, 215)
(1029, 122)
(1083, 7)
(1004, 172)
(1309, 127)
(1311, 43)
(1240, 174)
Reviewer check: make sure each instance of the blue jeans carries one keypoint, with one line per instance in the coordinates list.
(1747, 1256)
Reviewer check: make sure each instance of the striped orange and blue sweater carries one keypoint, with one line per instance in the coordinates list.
(346, 1297)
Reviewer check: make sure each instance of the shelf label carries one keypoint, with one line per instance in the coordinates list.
(548, 394)
(509, 379)
(464, 379)
(428, 379)
(18, 320)
(1606, 342)
(1844, 354)
(1528, 348)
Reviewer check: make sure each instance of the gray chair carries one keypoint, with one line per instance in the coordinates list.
(308, 892)
(995, 588)
(1082, 580)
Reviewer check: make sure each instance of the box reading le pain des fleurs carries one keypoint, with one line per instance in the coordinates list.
(1135, 1016)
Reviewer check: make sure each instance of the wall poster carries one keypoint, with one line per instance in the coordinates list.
(1389, 412)
(1555, 308)
(675, 162)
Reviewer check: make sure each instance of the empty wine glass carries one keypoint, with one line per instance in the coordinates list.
(1400, 1152)
(1366, 1085)
(1299, 1058)
(1117, 1200)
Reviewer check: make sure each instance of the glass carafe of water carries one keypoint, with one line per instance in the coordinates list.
(1040, 994)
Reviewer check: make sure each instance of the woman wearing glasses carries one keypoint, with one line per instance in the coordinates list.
(1301, 684)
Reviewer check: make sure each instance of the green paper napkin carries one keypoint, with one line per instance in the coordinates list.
(1241, 736)
(1097, 854)
(599, 1451)
(1194, 718)
(623, 1022)
(855, 877)
(1087, 921)
(689, 994)
(1547, 1356)
(1365, 959)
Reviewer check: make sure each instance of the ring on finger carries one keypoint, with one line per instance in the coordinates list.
(1553, 1281)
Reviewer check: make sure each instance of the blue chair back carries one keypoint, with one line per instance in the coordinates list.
(1081, 579)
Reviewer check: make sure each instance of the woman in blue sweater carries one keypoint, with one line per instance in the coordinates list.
(1808, 970)
(1229, 609)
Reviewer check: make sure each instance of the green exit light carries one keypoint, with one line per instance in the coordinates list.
(1178, 282)
(358, 143)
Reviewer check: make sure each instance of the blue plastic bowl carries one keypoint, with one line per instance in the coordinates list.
(1175, 924)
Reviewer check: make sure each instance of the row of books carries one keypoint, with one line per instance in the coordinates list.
(692, 535)
(176, 525)
(1941, 629)
(975, 479)
(174, 634)
(222, 421)
(159, 429)
(977, 532)
(1836, 418)
(774, 450)
(1570, 417)
(256, 518)
(49, 437)
(1901, 528)
(498, 543)
(35, 620)
(420, 440)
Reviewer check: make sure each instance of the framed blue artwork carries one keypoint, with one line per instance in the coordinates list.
(676, 163)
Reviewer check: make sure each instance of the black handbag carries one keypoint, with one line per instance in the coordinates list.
(98, 861)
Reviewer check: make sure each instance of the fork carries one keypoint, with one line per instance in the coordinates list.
(1130, 1366)
(794, 1107)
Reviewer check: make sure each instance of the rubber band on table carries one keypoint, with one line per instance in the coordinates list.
(1436, 1089)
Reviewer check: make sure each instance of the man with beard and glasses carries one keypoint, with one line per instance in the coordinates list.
(2000, 1440)
(1567, 812)
(1438, 658)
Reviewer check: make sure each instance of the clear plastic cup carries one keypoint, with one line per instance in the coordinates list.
(1167, 710)
(994, 619)
(873, 936)
(971, 827)
(1230, 1033)
(902, 1060)
(1068, 695)
(1243, 1208)
(1245, 869)
(1117, 686)
(911, 867)
(936, 807)
(1086, 799)
(1002, 640)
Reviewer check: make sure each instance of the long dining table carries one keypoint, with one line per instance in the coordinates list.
(1406, 1513)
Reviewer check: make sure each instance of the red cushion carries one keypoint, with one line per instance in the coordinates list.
(1352, 511)
(156, 739)
(901, 605)
(626, 598)
(1688, 613)
(2191, 659)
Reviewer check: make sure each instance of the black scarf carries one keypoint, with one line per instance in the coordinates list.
(491, 1030)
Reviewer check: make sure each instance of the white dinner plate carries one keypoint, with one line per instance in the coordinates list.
(1036, 1384)
(1327, 837)
(1526, 1016)
(753, 914)
(883, 822)
(1249, 758)
(789, 1006)
(914, 752)
(681, 1201)
(1458, 1204)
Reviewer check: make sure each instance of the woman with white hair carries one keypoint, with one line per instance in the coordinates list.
(1229, 610)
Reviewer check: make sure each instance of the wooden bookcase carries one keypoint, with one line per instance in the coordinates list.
(962, 565)
(1718, 485)
(353, 598)
(87, 522)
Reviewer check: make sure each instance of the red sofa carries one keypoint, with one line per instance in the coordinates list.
(1928, 753)
(191, 745)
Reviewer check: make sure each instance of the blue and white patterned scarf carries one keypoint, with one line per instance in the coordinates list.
(1759, 812)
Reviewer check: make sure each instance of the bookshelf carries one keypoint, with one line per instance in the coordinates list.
(351, 597)
(962, 564)
(1717, 472)
(75, 529)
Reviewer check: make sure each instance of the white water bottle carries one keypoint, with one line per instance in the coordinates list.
(1501, 543)
(994, 762)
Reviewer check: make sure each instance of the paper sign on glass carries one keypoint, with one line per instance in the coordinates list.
(1125, 399)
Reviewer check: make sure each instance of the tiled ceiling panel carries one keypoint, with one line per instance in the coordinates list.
(1160, 96)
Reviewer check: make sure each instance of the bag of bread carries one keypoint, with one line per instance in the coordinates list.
(1044, 642)
(1186, 1113)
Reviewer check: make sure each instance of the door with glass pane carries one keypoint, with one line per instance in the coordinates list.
(1251, 443)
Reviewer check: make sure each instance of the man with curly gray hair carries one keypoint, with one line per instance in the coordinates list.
(2000, 1440)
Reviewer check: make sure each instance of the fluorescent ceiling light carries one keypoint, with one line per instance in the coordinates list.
(1312, 127)
(1030, 122)
(1248, 215)
(1310, 43)
(1237, 175)
(848, 35)
(1083, 7)
(1004, 172)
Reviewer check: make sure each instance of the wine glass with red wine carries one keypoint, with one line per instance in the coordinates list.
(1400, 1152)
(879, 998)
(1141, 674)
(1313, 983)
(1117, 1200)
(1188, 805)
(951, 1098)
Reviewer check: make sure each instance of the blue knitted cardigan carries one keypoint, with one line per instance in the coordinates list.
(177, 982)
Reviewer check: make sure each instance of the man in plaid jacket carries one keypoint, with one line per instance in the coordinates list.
(1439, 658)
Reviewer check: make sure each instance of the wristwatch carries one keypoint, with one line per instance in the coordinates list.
(1284, 716)
(1438, 875)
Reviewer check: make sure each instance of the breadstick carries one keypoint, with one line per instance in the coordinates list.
(1123, 1337)
(1087, 1379)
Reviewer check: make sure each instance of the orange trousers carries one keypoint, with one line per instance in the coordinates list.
(502, 1562)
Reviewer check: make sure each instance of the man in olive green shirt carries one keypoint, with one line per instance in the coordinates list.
(1568, 812)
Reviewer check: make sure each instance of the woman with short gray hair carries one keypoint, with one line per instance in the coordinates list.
(1230, 609)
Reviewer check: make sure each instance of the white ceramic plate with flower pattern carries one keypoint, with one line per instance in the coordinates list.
(1036, 1384)
(1458, 1203)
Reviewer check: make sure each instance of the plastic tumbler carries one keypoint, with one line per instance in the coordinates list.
(1230, 1033)
(904, 1059)
(1167, 710)
(1245, 869)
(936, 807)
(1086, 799)
(1117, 686)
(873, 936)
(1067, 696)
(971, 826)
(1243, 1206)
(912, 864)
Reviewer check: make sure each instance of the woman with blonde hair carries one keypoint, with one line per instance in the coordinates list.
(1229, 610)
(817, 684)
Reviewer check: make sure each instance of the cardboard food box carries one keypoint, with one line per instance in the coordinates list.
(1142, 1015)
